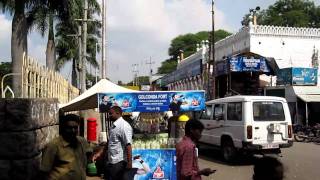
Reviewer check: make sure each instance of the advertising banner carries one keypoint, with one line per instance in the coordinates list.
(244, 64)
(304, 76)
(297, 76)
(153, 101)
(156, 164)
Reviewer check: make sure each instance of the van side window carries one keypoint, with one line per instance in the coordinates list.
(218, 112)
(207, 113)
(234, 111)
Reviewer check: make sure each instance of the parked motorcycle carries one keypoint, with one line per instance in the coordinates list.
(307, 133)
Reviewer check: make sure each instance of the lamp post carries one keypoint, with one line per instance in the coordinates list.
(212, 60)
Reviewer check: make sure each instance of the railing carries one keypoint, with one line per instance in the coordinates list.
(39, 82)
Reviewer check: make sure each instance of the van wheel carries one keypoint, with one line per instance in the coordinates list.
(229, 152)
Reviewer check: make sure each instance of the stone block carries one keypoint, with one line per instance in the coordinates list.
(2, 113)
(5, 166)
(25, 144)
(25, 169)
(27, 114)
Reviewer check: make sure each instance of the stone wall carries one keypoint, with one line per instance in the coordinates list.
(26, 126)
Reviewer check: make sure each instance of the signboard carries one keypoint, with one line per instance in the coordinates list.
(297, 76)
(244, 64)
(153, 101)
(161, 164)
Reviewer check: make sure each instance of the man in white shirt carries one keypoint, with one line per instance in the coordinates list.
(119, 145)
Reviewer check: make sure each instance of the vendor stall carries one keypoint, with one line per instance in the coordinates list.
(153, 149)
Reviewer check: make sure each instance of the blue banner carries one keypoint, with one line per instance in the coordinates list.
(297, 76)
(158, 164)
(241, 64)
(153, 101)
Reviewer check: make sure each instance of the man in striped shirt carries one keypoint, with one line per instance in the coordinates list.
(187, 160)
(119, 145)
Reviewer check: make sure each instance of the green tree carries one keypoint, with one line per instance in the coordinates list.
(292, 13)
(143, 80)
(67, 46)
(187, 43)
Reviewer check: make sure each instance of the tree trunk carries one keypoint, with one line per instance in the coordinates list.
(19, 45)
(74, 79)
(51, 51)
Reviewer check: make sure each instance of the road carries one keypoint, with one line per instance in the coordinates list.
(301, 162)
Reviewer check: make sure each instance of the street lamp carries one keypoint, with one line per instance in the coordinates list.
(253, 13)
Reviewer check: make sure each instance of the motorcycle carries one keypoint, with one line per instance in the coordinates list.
(307, 133)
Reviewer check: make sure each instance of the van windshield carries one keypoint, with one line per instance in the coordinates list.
(268, 111)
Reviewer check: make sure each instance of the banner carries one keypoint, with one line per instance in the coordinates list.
(158, 164)
(153, 101)
(244, 64)
(297, 76)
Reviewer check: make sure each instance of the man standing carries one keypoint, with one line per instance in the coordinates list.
(187, 160)
(119, 145)
(65, 157)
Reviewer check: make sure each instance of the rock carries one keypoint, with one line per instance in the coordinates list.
(25, 169)
(27, 114)
(25, 144)
(2, 113)
(5, 166)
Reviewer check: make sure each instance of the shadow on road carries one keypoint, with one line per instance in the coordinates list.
(214, 155)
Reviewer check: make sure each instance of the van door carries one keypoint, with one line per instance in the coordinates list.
(205, 118)
(215, 127)
(269, 124)
(234, 123)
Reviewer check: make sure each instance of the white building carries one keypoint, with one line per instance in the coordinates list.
(288, 46)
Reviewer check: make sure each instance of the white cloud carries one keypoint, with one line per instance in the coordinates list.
(138, 29)
(5, 38)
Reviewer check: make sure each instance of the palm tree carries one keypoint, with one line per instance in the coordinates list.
(67, 47)
(26, 13)
(18, 8)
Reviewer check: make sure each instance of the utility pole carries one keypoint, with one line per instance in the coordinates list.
(213, 75)
(150, 65)
(103, 52)
(80, 56)
(84, 48)
(135, 71)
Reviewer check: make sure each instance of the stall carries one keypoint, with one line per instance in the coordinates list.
(151, 110)
(152, 143)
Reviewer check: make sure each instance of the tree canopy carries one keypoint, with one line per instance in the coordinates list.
(188, 44)
(292, 13)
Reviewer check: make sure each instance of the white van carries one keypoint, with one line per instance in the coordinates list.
(254, 124)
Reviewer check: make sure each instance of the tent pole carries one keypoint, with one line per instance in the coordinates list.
(307, 115)
(103, 122)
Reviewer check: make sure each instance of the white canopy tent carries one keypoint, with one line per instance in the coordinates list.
(89, 99)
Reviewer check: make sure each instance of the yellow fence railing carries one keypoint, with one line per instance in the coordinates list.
(39, 82)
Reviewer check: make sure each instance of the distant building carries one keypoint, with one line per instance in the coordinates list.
(277, 48)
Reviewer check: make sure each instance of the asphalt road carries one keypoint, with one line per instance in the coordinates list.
(301, 162)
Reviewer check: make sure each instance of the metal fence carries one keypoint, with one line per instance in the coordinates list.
(39, 82)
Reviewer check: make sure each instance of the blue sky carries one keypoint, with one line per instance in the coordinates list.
(140, 29)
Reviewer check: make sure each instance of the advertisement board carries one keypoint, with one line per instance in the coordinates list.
(245, 64)
(297, 76)
(153, 101)
(161, 164)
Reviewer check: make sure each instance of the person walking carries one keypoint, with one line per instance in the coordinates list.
(65, 157)
(187, 158)
(119, 146)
